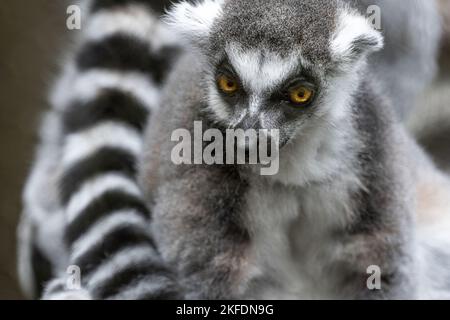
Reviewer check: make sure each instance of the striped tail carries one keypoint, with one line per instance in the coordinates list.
(103, 102)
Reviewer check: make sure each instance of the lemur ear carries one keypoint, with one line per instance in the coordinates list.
(354, 38)
(193, 21)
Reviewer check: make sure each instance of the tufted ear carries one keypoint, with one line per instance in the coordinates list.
(354, 38)
(193, 21)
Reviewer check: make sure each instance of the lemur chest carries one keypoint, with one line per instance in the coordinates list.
(292, 244)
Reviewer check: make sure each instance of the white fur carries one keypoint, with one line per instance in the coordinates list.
(95, 188)
(270, 245)
(75, 86)
(288, 246)
(55, 250)
(217, 105)
(134, 20)
(80, 145)
(352, 26)
(193, 22)
(259, 70)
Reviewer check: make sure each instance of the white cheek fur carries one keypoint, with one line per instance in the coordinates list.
(217, 106)
(317, 152)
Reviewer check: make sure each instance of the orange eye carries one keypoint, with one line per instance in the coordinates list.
(227, 84)
(301, 95)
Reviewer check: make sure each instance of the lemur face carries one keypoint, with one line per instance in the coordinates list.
(283, 64)
(258, 89)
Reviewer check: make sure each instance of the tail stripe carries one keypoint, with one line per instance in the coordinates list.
(123, 53)
(129, 276)
(86, 86)
(93, 191)
(110, 201)
(130, 258)
(83, 144)
(107, 106)
(121, 260)
(104, 160)
(117, 239)
(105, 98)
(97, 231)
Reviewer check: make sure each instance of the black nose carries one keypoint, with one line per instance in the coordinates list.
(249, 123)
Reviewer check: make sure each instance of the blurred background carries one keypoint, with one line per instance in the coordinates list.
(33, 38)
(31, 34)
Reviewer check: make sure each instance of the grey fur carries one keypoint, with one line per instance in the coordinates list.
(274, 27)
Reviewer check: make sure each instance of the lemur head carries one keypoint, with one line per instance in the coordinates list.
(277, 64)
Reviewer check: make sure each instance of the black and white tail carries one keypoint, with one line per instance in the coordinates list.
(83, 205)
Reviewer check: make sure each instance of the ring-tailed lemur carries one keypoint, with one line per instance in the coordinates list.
(111, 20)
(83, 206)
(351, 182)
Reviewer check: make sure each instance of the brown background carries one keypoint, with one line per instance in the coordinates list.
(32, 34)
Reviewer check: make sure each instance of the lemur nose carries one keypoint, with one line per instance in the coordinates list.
(249, 122)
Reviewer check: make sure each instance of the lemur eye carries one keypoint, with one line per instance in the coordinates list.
(301, 95)
(227, 84)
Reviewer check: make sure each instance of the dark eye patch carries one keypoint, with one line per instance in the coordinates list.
(281, 93)
(226, 69)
